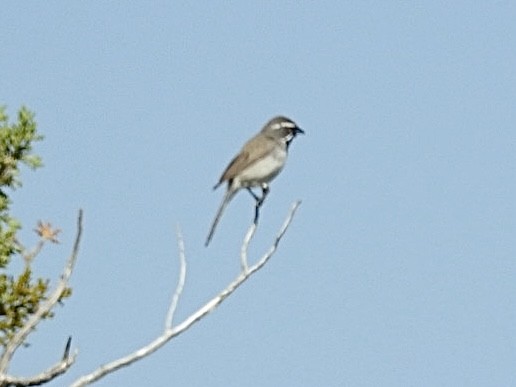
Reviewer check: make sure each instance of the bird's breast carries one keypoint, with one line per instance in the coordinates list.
(264, 169)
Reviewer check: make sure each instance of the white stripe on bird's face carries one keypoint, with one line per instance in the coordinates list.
(282, 125)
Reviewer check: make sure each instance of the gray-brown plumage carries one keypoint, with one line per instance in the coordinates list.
(260, 160)
(255, 149)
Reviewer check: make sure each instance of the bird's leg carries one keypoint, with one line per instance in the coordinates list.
(259, 201)
(253, 194)
(265, 192)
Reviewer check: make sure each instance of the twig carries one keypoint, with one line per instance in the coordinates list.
(180, 281)
(66, 353)
(170, 332)
(245, 246)
(44, 377)
(28, 256)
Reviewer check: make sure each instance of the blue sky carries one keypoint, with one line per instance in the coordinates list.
(400, 266)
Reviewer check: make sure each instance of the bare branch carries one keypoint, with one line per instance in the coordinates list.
(28, 256)
(36, 318)
(180, 281)
(44, 377)
(170, 332)
(245, 246)
(68, 345)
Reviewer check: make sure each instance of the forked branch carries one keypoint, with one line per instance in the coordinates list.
(19, 338)
(171, 331)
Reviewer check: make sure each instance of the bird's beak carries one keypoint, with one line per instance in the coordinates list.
(298, 130)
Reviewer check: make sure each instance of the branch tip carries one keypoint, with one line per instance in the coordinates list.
(66, 353)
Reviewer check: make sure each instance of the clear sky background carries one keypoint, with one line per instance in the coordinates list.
(400, 266)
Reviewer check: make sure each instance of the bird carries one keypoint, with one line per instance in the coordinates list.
(260, 160)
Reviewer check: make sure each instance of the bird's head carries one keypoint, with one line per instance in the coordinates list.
(282, 128)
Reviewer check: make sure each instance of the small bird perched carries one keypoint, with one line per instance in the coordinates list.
(260, 160)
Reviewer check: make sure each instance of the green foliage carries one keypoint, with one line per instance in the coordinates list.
(15, 149)
(16, 146)
(21, 295)
(20, 299)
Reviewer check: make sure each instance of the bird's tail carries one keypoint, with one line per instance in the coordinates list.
(225, 201)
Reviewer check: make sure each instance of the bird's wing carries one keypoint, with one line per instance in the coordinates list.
(257, 148)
